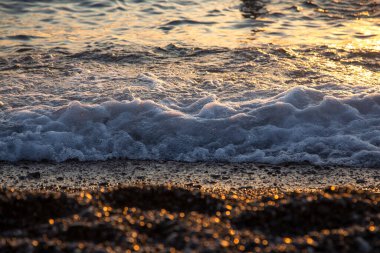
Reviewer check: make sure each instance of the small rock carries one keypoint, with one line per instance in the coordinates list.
(360, 181)
(34, 175)
(362, 245)
(215, 176)
(103, 184)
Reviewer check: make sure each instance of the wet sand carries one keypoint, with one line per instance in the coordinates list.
(73, 175)
(123, 206)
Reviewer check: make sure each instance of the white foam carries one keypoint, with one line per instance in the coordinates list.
(148, 80)
(299, 125)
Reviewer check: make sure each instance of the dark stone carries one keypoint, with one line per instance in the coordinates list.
(103, 184)
(34, 175)
(360, 181)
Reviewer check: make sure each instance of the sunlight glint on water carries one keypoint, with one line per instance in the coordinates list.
(192, 22)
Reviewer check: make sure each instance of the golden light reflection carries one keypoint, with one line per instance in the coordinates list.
(136, 247)
(194, 26)
(224, 243)
(310, 241)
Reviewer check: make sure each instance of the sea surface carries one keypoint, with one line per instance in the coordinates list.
(265, 81)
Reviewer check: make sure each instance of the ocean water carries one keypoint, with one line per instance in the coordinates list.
(191, 80)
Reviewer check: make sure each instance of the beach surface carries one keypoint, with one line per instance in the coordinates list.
(125, 206)
(271, 110)
(73, 175)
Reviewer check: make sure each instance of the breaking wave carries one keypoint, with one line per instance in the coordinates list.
(299, 125)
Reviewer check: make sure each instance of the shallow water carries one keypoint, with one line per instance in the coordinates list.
(241, 81)
(232, 23)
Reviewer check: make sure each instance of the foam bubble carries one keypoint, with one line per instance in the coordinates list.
(148, 80)
(299, 125)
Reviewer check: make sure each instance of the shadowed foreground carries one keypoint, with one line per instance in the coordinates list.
(167, 219)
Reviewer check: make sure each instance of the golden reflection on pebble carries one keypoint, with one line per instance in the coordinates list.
(224, 243)
(309, 241)
(216, 220)
(223, 229)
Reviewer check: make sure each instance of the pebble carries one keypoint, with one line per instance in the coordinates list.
(34, 175)
(363, 245)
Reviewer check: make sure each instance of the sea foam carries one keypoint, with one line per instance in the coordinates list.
(300, 125)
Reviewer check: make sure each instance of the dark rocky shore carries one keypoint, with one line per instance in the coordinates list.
(171, 219)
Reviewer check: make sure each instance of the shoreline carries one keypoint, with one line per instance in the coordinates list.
(76, 175)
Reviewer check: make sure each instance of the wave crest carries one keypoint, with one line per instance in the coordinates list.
(300, 125)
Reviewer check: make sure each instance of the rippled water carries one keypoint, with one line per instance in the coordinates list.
(239, 81)
(230, 23)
